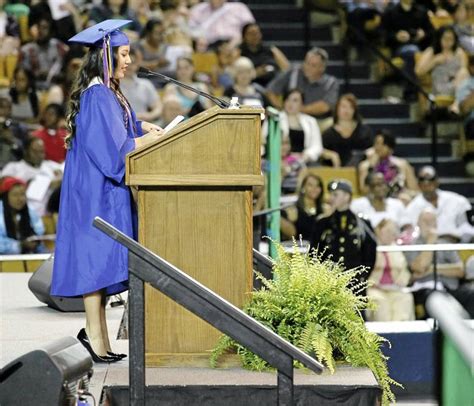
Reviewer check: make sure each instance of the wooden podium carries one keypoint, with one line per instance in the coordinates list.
(195, 211)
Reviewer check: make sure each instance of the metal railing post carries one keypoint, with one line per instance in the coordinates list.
(136, 321)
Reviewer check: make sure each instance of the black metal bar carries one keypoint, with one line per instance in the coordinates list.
(434, 135)
(136, 321)
(198, 299)
(285, 385)
(307, 26)
(414, 83)
(263, 265)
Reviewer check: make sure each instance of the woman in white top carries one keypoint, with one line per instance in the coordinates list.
(302, 130)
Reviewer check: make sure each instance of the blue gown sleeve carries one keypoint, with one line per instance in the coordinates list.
(139, 128)
(102, 132)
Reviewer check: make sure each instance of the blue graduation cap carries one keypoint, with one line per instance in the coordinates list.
(106, 34)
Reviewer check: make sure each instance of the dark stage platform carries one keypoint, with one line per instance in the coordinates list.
(229, 387)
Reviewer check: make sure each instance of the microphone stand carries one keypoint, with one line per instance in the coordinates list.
(145, 73)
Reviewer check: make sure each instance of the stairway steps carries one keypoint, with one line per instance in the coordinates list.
(292, 31)
(295, 49)
(382, 109)
(356, 70)
(463, 186)
(278, 13)
(257, 3)
(420, 147)
(363, 88)
(446, 166)
(398, 126)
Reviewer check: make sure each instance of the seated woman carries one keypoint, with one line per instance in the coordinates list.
(399, 175)
(18, 222)
(190, 101)
(348, 136)
(244, 88)
(445, 61)
(389, 275)
(25, 100)
(299, 220)
(53, 133)
(302, 130)
(153, 48)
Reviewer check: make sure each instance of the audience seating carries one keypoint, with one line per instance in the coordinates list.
(204, 62)
(328, 174)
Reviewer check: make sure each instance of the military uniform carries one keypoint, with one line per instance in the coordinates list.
(347, 237)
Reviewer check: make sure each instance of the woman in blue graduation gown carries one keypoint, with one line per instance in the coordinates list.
(103, 129)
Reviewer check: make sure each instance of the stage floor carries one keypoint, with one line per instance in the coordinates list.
(27, 324)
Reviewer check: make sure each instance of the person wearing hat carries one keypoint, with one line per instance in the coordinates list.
(18, 221)
(344, 236)
(103, 130)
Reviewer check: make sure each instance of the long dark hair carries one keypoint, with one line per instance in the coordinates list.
(319, 200)
(439, 34)
(24, 225)
(91, 67)
(32, 96)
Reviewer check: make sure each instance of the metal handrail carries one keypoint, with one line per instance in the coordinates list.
(451, 317)
(425, 247)
(146, 266)
(429, 97)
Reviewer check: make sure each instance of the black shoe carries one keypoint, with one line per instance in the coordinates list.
(115, 355)
(84, 340)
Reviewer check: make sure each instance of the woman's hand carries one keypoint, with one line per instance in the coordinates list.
(147, 127)
(149, 137)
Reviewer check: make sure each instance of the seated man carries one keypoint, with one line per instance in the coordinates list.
(450, 208)
(216, 20)
(449, 266)
(376, 206)
(320, 90)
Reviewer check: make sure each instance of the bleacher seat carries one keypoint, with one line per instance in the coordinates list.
(328, 174)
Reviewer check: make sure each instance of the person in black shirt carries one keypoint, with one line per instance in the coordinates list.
(349, 137)
(408, 31)
(268, 61)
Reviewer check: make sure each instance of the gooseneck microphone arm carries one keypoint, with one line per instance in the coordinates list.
(144, 73)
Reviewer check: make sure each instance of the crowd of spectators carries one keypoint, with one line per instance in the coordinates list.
(217, 46)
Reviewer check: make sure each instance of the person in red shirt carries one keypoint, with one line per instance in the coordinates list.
(53, 132)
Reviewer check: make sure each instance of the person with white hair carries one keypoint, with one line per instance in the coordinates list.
(247, 92)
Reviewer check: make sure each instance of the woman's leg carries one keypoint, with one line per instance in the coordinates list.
(93, 306)
(103, 324)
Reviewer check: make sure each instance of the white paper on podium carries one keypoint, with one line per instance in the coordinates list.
(38, 188)
(173, 124)
(56, 10)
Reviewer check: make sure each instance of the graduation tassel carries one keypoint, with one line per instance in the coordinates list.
(105, 63)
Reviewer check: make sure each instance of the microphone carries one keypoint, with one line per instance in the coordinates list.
(145, 73)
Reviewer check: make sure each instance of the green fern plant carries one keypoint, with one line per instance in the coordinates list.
(308, 303)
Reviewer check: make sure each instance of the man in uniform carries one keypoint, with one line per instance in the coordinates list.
(343, 235)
